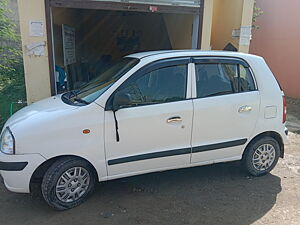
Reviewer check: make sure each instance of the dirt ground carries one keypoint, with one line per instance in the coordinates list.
(216, 194)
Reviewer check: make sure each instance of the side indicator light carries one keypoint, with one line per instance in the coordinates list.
(86, 131)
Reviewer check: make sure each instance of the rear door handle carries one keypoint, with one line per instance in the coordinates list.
(174, 119)
(245, 108)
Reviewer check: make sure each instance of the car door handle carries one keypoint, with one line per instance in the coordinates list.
(174, 119)
(245, 108)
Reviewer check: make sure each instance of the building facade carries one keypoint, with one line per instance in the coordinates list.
(277, 40)
(81, 37)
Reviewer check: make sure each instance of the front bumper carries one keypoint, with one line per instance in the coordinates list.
(13, 166)
(16, 170)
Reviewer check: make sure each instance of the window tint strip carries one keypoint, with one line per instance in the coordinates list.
(212, 60)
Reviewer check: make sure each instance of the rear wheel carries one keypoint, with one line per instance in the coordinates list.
(261, 156)
(67, 183)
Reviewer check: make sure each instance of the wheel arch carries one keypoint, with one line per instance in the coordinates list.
(40, 171)
(272, 134)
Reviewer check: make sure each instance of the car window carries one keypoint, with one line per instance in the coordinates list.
(162, 85)
(246, 79)
(231, 72)
(215, 79)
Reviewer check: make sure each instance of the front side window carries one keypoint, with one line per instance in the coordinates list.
(162, 85)
(213, 79)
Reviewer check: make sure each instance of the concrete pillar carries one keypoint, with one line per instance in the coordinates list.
(246, 22)
(37, 76)
(207, 24)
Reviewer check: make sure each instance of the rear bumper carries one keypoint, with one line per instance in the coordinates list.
(284, 136)
(16, 170)
(286, 131)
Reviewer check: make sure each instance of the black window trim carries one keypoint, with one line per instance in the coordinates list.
(254, 79)
(224, 60)
(161, 63)
(220, 60)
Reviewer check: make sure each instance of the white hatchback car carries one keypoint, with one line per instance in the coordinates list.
(149, 112)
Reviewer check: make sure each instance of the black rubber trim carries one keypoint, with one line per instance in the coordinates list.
(216, 60)
(177, 152)
(163, 52)
(150, 156)
(13, 166)
(219, 145)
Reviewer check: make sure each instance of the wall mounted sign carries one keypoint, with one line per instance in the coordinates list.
(68, 34)
(153, 8)
(36, 49)
(36, 28)
(245, 35)
(236, 33)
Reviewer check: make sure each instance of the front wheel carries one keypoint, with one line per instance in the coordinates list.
(67, 183)
(261, 156)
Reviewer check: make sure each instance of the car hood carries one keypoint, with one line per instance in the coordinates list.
(44, 108)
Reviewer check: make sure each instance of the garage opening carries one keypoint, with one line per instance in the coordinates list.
(87, 41)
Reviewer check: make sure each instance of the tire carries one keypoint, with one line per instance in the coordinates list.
(260, 164)
(62, 193)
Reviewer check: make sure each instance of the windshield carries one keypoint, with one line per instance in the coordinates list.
(96, 87)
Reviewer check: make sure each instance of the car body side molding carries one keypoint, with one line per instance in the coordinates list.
(219, 145)
(150, 156)
(177, 152)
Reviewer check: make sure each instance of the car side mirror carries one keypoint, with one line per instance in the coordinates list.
(120, 100)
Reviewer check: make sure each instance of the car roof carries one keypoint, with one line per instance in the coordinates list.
(184, 53)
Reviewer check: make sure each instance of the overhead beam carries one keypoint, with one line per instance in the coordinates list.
(124, 6)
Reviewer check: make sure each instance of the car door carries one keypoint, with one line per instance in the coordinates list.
(226, 109)
(154, 131)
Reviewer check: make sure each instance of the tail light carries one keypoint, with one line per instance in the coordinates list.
(284, 109)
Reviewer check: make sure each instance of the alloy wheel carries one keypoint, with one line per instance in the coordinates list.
(72, 184)
(263, 157)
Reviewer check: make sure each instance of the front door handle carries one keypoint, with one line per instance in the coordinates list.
(174, 119)
(245, 108)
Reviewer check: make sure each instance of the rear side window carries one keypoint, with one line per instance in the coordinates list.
(166, 84)
(246, 79)
(213, 79)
